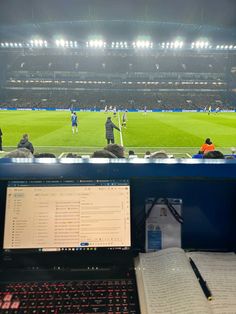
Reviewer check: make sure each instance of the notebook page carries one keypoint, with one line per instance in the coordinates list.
(140, 286)
(219, 271)
(170, 285)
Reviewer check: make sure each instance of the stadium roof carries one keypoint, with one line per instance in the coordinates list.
(123, 19)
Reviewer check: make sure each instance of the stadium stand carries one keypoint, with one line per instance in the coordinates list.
(166, 80)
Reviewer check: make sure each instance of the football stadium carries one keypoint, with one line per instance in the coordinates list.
(174, 81)
(117, 156)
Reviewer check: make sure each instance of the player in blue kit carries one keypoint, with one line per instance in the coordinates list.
(74, 122)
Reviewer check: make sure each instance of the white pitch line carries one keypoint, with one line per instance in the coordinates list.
(121, 137)
(189, 155)
(61, 155)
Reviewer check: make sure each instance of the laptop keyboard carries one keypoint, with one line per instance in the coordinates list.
(93, 296)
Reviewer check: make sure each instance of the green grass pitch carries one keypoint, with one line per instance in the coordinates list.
(176, 132)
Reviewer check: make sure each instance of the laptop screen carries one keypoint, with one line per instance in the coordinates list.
(67, 216)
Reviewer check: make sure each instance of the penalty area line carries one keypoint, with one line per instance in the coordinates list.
(121, 137)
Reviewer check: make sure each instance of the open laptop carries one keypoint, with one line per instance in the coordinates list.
(67, 248)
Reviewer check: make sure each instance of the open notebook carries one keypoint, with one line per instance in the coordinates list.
(167, 283)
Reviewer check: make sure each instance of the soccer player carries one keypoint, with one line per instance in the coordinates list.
(105, 109)
(124, 119)
(145, 110)
(114, 112)
(217, 110)
(209, 110)
(74, 122)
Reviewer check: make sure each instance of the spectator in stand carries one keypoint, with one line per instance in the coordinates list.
(116, 149)
(109, 130)
(131, 153)
(19, 153)
(73, 155)
(1, 139)
(25, 143)
(160, 154)
(103, 154)
(147, 154)
(207, 147)
(44, 155)
(215, 154)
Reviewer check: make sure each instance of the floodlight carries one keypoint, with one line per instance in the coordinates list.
(62, 43)
(231, 47)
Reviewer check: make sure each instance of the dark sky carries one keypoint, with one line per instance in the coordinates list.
(205, 12)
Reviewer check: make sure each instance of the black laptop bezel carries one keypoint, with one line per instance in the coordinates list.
(91, 259)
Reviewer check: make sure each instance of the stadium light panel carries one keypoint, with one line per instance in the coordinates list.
(97, 43)
(142, 44)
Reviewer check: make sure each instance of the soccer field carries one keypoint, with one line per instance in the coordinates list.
(177, 133)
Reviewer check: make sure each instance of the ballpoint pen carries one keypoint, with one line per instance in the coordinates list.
(201, 281)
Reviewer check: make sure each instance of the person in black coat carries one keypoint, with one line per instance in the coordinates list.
(25, 143)
(109, 130)
(1, 139)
